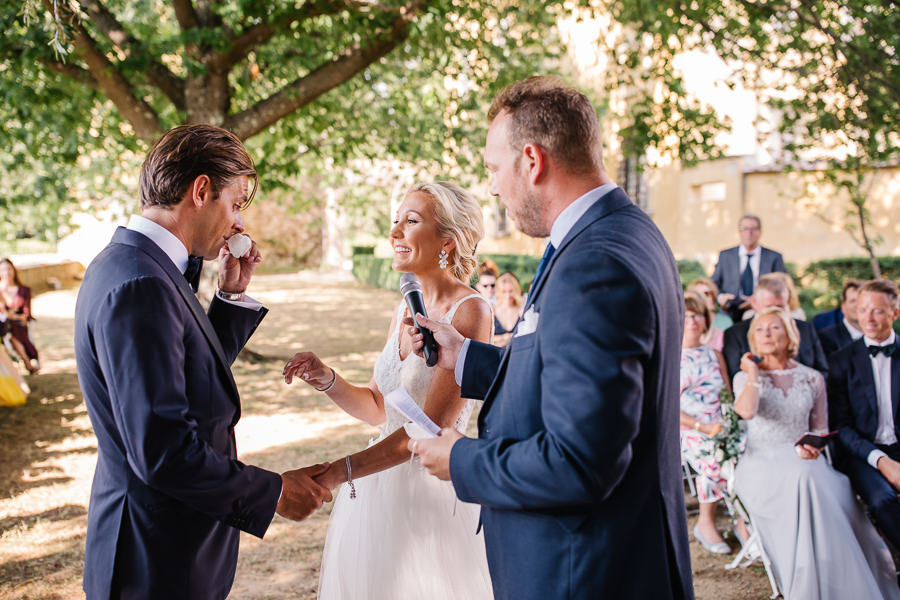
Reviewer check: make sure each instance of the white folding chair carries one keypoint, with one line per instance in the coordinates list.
(688, 476)
(754, 543)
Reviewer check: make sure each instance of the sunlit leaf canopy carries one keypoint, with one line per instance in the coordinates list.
(307, 85)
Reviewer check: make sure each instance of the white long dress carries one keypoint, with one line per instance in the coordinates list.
(821, 543)
(405, 536)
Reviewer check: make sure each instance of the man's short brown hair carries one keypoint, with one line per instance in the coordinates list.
(558, 118)
(850, 284)
(184, 153)
(882, 286)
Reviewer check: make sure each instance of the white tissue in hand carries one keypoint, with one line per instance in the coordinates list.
(239, 245)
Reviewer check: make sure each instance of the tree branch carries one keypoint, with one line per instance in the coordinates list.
(157, 74)
(329, 75)
(80, 75)
(140, 114)
(243, 43)
(185, 13)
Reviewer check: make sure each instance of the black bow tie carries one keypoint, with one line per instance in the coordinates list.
(887, 350)
(192, 273)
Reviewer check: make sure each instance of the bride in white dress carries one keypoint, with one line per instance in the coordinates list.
(816, 533)
(402, 535)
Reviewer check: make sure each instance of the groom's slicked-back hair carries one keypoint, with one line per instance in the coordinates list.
(558, 118)
(184, 153)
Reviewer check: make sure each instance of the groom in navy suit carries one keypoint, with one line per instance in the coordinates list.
(577, 461)
(169, 494)
(864, 406)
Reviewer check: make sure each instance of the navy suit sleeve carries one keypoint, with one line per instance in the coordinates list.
(479, 369)
(234, 325)
(596, 331)
(140, 347)
(718, 273)
(840, 412)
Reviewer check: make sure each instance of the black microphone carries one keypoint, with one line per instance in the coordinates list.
(412, 293)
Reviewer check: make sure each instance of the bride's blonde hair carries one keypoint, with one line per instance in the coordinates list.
(458, 216)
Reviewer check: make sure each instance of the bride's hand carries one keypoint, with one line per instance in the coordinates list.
(330, 478)
(308, 367)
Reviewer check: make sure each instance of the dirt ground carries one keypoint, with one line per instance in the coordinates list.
(49, 451)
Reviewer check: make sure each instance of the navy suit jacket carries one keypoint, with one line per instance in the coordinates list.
(834, 338)
(735, 344)
(852, 403)
(829, 318)
(727, 275)
(169, 494)
(577, 461)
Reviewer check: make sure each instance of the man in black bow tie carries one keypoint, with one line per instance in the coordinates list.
(169, 497)
(863, 400)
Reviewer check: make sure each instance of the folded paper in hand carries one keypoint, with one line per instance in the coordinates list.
(403, 402)
(528, 324)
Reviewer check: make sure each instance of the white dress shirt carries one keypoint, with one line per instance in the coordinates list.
(177, 252)
(558, 232)
(881, 370)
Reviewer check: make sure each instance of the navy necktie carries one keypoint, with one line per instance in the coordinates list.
(887, 350)
(192, 273)
(548, 254)
(747, 278)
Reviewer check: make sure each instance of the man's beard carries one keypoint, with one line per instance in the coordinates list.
(527, 216)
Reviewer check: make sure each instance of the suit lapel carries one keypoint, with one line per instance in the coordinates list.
(133, 238)
(609, 202)
(895, 380)
(863, 366)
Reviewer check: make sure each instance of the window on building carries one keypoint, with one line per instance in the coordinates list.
(631, 179)
(502, 222)
(713, 191)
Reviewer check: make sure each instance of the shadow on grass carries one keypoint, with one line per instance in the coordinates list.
(27, 431)
(60, 513)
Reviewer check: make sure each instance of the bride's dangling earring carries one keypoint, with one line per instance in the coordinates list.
(442, 263)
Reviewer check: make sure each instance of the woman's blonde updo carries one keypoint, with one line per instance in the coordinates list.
(458, 216)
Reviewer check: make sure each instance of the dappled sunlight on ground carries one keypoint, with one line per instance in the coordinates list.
(49, 450)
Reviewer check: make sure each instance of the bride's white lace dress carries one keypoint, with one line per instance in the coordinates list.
(819, 540)
(404, 536)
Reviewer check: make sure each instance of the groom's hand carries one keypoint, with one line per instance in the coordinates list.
(235, 273)
(434, 453)
(300, 495)
(448, 339)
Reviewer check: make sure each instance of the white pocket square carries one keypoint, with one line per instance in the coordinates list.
(528, 324)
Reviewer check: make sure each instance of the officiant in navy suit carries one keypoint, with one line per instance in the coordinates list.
(739, 268)
(169, 495)
(576, 465)
(864, 406)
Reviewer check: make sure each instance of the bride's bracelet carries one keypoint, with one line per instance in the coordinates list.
(328, 387)
(350, 478)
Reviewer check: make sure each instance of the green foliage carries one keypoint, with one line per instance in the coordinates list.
(421, 104)
(729, 443)
(689, 270)
(822, 280)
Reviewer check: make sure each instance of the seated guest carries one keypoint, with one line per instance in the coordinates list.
(486, 283)
(16, 299)
(702, 380)
(837, 336)
(816, 534)
(864, 396)
(793, 305)
(739, 268)
(721, 321)
(507, 309)
(771, 291)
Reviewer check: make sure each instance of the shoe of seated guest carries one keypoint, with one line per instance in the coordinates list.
(714, 547)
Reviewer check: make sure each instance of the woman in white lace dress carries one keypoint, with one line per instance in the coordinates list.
(819, 540)
(402, 534)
